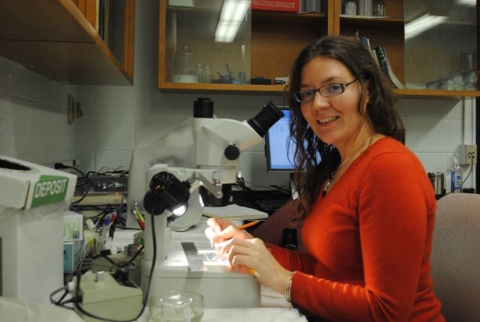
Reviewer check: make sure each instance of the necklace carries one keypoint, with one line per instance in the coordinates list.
(332, 175)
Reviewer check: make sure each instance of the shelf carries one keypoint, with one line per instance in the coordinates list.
(278, 89)
(435, 94)
(372, 23)
(54, 39)
(287, 17)
(222, 88)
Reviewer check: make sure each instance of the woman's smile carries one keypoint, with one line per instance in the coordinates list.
(328, 120)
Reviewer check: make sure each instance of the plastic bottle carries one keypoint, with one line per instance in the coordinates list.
(456, 176)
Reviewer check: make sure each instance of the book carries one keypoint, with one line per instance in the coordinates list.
(384, 64)
(365, 41)
(374, 56)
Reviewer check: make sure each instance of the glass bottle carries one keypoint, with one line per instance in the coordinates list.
(350, 8)
(184, 63)
(201, 73)
(208, 74)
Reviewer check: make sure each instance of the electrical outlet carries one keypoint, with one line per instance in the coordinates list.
(468, 154)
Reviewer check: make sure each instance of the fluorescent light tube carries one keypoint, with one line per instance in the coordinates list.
(467, 3)
(422, 24)
(233, 13)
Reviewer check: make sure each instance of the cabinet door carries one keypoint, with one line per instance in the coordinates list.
(264, 48)
(192, 31)
(441, 45)
(59, 39)
(432, 60)
(383, 28)
(114, 21)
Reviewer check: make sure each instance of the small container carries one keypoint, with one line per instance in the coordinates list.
(201, 73)
(379, 8)
(208, 74)
(350, 8)
(178, 306)
(438, 182)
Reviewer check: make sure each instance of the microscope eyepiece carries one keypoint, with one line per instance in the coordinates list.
(203, 108)
(268, 116)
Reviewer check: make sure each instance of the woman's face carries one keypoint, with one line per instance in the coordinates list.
(335, 119)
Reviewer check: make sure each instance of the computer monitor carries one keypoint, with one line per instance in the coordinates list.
(279, 148)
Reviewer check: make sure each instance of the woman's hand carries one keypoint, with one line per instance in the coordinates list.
(221, 230)
(246, 253)
(252, 254)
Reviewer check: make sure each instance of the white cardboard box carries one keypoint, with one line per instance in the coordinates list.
(33, 200)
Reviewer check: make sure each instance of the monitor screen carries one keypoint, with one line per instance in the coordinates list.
(279, 148)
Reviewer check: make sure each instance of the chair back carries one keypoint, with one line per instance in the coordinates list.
(455, 256)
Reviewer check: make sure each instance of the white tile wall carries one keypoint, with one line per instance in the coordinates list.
(116, 119)
(39, 117)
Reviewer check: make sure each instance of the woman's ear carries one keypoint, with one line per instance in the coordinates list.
(368, 97)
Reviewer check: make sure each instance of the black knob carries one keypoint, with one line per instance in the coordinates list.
(232, 152)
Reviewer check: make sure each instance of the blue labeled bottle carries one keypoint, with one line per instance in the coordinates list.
(456, 176)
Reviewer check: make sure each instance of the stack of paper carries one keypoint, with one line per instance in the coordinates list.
(234, 212)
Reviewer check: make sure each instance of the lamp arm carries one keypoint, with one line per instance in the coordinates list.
(202, 180)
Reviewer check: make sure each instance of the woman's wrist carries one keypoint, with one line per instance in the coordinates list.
(288, 287)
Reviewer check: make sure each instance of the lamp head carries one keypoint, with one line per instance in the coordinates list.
(166, 192)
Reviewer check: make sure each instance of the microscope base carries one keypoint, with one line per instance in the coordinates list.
(220, 286)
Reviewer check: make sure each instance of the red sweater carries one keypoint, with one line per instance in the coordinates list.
(369, 241)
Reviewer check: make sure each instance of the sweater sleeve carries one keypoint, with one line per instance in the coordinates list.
(392, 203)
(294, 260)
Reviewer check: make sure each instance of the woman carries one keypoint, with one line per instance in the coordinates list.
(365, 199)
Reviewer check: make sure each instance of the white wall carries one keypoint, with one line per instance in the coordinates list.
(38, 115)
(116, 119)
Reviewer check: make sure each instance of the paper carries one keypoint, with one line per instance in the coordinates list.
(233, 211)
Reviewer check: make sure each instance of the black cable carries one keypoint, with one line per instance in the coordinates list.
(87, 183)
(55, 292)
(121, 265)
(145, 299)
(468, 175)
(68, 278)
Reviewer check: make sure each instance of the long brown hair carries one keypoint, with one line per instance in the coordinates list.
(315, 159)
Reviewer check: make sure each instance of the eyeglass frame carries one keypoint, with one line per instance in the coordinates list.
(343, 86)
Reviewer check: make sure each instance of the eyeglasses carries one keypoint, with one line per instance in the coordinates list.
(326, 91)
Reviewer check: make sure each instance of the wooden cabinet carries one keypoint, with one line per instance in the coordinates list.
(437, 62)
(59, 39)
(277, 37)
(274, 40)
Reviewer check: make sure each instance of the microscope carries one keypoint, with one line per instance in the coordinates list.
(207, 155)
